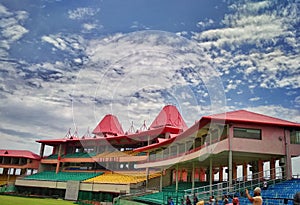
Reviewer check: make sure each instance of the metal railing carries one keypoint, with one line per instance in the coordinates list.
(218, 190)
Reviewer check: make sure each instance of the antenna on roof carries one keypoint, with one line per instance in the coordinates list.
(68, 135)
(131, 129)
(144, 126)
(87, 134)
(75, 134)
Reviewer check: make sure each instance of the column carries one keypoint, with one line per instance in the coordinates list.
(260, 169)
(210, 175)
(288, 157)
(193, 175)
(230, 137)
(234, 170)
(58, 159)
(147, 177)
(245, 171)
(220, 173)
(202, 175)
(42, 150)
(176, 185)
(161, 180)
(272, 168)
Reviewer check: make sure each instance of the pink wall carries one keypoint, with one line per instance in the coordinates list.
(270, 143)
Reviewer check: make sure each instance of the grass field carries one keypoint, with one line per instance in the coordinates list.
(14, 200)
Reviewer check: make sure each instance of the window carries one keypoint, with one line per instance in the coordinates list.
(247, 133)
(295, 137)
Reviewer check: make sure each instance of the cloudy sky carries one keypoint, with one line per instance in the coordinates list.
(66, 64)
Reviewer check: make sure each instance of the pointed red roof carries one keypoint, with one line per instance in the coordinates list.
(245, 116)
(109, 124)
(19, 153)
(170, 116)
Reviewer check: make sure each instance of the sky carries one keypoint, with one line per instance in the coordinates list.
(66, 64)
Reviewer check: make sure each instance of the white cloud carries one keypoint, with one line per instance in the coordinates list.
(73, 44)
(141, 72)
(254, 99)
(81, 13)
(11, 26)
(3, 11)
(256, 25)
(14, 33)
(89, 26)
(277, 111)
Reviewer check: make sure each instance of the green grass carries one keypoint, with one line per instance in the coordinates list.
(14, 200)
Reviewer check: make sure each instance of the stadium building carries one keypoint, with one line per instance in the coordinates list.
(220, 154)
(15, 163)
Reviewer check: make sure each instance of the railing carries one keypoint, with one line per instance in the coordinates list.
(238, 185)
(219, 189)
(158, 157)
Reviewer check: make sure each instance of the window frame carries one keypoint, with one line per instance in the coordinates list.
(248, 129)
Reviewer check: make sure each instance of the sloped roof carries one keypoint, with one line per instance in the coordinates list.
(19, 153)
(244, 116)
(109, 124)
(170, 116)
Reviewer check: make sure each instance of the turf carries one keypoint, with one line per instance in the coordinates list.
(14, 200)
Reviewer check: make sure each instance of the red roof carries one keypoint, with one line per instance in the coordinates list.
(244, 116)
(170, 116)
(109, 124)
(239, 116)
(19, 153)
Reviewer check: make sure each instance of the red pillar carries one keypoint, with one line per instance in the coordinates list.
(220, 174)
(272, 168)
(202, 175)
(245, 171)
(234, 171)
(260, 169)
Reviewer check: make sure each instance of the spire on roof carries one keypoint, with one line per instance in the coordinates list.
(87, 134)
(144, 126)
(170, 116)
(109, 125)
(131, 129)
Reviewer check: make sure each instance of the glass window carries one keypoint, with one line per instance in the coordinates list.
(295, 137)
(247, 133)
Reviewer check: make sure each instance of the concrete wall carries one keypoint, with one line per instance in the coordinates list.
(115, 188)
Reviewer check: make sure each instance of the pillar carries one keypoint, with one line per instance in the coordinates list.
(203, 175)
(23, 172)
(147, 177)
(176, 185)
(221, 174)
(245, 171)
(260, 169)
(58, 158)
(210, 175)
(161, 180)
(193, 175)
(234, 171)
(272, 168)
(288, 156)
(42, 150)
(230, 138)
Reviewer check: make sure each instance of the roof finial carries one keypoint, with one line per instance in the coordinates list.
(131, 129)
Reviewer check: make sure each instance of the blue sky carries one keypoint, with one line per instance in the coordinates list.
(65, 64)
